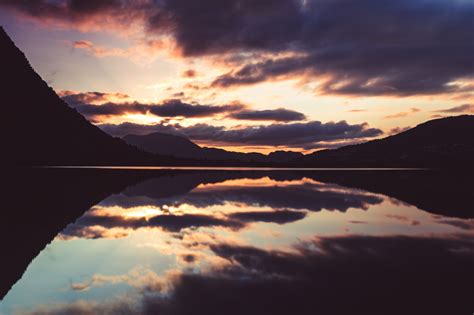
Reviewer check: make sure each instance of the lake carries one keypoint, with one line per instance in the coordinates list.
(237, 241)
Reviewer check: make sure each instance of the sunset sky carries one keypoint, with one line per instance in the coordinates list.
(253, 75)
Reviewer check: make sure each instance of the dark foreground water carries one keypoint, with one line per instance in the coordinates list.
(237, 242)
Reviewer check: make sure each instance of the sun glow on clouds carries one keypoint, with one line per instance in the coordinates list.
(144, 212)
(261, 56)
(240, 209)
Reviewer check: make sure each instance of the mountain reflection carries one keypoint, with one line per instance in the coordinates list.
(234, 242)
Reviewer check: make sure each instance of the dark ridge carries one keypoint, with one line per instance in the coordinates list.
(183, 148)
(440, 143)
(43, 130)
(162, 143)
(444, 143)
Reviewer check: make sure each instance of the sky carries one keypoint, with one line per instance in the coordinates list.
(253, 75)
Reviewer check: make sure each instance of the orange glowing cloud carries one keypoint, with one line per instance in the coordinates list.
(142, 52)
(403, 114)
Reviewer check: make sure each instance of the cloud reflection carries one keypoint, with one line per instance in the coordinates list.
(255, 243)
(144, 206)
(333, 275)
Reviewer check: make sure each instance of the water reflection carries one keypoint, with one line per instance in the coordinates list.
(190, 242)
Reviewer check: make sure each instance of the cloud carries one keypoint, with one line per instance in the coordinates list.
(403, 114)
(74, 98)
(306, 197)
(289, 203)
(95, 104)
(299, 197)
(173, 223)
(465, 108)
(174, 108)
(369, 48)
(280, 114)
(332, 144)
(63, 9)
(97, 51)
(398, 130)
(90, 232)
(465, 224)
(307, 135)
(372, 47)
(99, 15)
(280, 217)
(119, 306)
(142, 52)
(403, 218)
(139, 277)
(93, 225)
(346, 274)
(294, 134)
(190, 73)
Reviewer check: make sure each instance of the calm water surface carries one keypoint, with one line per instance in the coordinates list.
(252, 242)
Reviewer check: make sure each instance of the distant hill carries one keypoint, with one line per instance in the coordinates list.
(180, 147)
(161, 143)
(43, 130)
(445, 142)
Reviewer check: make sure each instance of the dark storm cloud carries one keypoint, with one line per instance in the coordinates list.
(366, 47)
(173, 108)
(280, 217)
(280, 114)
(92, 6)
(211, 26)
(295, 134)
(63, 10)
(352, 74)
(93, 104)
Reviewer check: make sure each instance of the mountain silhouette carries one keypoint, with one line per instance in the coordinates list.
(446, 142)
(161, 143)
(181, 147)
(43, 129)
